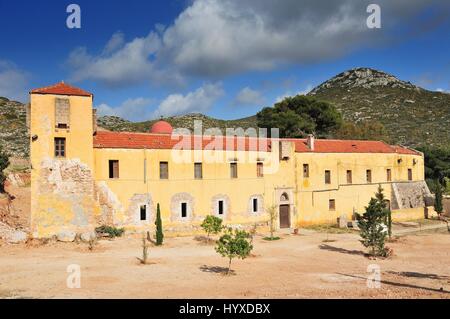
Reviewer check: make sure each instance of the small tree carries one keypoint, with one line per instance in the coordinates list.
(438, 207)
(212, 225)
(384, 203)
(159, 230)
(273, 215)
(234, 244)
(4, 163)
(372, 232)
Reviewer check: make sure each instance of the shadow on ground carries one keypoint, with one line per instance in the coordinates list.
(399, 284)
(217, 270)
(411, 274)
(341, 250)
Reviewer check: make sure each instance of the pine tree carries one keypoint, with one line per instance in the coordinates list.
(384, 203)
(438, 198)
(159, 231)
(371, 226)
(4, 163)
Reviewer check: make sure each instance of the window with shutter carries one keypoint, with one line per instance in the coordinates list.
(233, 170)
(62, 113)
(327, 177)
(259, 169)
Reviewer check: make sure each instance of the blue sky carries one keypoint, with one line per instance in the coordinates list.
(226, 58)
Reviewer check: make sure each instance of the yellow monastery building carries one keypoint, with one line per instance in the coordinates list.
(83, 177)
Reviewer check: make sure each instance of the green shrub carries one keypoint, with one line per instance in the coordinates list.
(110, 230)
(234, 244)
(212, 225)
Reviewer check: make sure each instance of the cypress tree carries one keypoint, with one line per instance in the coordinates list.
(158, 223)
(438, 198)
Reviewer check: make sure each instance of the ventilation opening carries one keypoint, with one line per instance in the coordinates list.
(183, 210)
(220, 207)
(143, 212)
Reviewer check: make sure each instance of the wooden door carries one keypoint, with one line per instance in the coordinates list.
(285, 221)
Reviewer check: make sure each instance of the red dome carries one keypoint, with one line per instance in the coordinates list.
(161, 127)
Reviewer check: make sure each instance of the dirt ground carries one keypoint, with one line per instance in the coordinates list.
(310, 265)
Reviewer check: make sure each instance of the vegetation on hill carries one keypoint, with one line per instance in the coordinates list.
(13, 129)
(411, 115)
(300, 115)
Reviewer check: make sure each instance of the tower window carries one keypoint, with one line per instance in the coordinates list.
(60, 147)
(113, 169)
(62, 113)
(143, 211)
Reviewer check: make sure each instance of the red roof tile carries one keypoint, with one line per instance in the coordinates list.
(106, 139)
(61, 88)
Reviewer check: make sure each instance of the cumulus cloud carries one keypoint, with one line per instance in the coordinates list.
(198, 101)
(13, 81)
(248, 96)
(216, 38)
(136, 109)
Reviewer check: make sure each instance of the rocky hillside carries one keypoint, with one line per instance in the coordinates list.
(115, 123)
(412, 116)
(13, 131)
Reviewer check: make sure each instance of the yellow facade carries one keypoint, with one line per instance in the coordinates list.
(76, 193)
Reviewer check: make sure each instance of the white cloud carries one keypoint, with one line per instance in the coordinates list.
(136, 109)
(215, 38)
(305, 91)
(248, 96)
(13, 82)
(200, 100)
(442, 90)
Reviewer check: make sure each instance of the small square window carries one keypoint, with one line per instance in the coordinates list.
(332, 204)
(113, 169)
(369, 176)
(305, 170)
(259, 169)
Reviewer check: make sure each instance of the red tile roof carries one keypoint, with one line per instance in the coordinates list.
(61, 88)
(106, 139)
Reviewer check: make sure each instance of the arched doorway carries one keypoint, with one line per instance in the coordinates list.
(284, 211)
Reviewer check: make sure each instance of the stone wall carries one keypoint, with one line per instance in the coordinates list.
(409, 195)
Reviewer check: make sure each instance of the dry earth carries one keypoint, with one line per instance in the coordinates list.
(297, 266)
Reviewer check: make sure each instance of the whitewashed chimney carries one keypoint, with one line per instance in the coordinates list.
(310, 142)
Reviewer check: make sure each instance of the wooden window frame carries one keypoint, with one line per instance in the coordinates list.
(233, 170)
(60, 147)
(328, 177)
(389, 175)
(369, 176)
(198, 176)
(259, 169)
(349, 176)
(332, 205)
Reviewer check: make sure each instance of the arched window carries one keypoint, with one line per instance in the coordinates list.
(284, 197)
